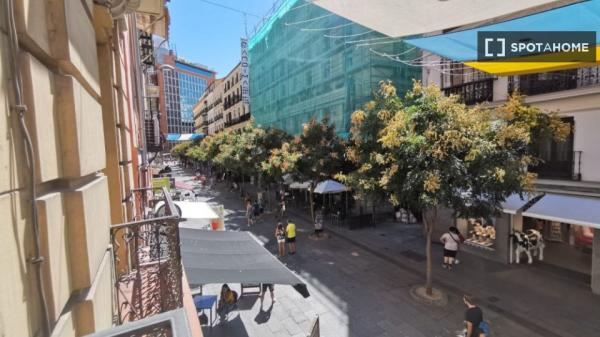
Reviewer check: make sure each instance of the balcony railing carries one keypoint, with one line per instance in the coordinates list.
(473, 92)
(147, 260)
(544, 83)
(569, 169)
(237, 120)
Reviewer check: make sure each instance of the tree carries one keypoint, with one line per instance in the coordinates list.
(321, 152)
(180, 149)
(365, 150)
(441, 153)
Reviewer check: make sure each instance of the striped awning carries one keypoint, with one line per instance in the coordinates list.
(180, 137)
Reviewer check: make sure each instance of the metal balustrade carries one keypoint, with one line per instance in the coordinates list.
(147, 261)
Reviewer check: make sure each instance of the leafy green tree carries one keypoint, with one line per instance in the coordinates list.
(441, 153)
(322, 155)
(180, 149)
(365, 150)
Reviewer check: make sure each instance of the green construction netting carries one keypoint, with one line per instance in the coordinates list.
(307, 62)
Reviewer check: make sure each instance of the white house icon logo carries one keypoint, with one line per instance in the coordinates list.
(501, 41)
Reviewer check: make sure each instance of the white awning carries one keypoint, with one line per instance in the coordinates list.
(515, 203)
(397, 18)
(190, 210)
(568, 209)
(330, 187)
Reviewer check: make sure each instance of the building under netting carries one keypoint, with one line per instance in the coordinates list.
(307, 62)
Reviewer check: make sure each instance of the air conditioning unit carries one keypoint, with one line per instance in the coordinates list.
(120, 7)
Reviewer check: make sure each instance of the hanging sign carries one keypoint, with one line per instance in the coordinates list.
(245, 73)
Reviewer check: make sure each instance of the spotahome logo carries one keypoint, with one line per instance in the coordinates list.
(536, 46)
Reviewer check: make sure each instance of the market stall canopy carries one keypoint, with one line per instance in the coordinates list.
(330, 187)
(300, 186)
(180, 137)
(396, 18)
(232, 257)
(568, 209)
(515, 203)
(462, 45)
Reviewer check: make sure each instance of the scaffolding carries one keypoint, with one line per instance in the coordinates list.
(307, 62)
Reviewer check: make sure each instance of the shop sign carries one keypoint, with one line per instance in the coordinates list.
(245, 73)
(158, 183)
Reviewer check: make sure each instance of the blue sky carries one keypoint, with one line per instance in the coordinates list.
(210, 35)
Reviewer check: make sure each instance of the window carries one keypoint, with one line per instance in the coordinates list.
(557, 157)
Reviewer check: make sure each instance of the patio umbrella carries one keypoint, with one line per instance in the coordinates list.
(330, 187)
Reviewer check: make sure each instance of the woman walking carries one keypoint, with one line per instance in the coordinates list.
(451, 241)
(249, 212)
(280, 236)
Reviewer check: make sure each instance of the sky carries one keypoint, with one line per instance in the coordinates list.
(203, 33)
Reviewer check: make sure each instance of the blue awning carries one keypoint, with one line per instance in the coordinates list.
(179, 137)
(462, 45)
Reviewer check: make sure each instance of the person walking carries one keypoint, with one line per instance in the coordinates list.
(290, 234)
(249, 212)
(451, 241)
(271, 288)
(280, 236)
(475, 326)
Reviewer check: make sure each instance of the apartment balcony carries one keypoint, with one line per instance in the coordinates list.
(568, 168)
(170, 323)
(237, 120)
(543, 83)
(473, 92)
(147, 260)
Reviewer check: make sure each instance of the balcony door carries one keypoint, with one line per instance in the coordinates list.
(557, 156)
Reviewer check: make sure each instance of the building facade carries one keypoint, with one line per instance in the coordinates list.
(181, 86)
(306, 62)
(208, 113)
(74, 84)
(236, 114)
(568, 174)
(221, 107)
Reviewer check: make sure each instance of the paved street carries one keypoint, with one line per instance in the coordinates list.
(359, 282)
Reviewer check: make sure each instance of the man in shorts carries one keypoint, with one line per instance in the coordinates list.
(290, 236)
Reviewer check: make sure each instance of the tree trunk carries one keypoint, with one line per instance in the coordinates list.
(310, 200)
(429, 220)
(373, 215)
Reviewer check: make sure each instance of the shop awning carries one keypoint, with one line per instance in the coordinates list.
(180, 137)
(568, 209)
(232, 257)
(462, 45)
(330, 187)
(515, 203)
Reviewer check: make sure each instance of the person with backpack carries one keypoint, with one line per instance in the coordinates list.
(451, 241)
(475, 326)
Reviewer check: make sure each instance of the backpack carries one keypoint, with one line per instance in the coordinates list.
(484, 327)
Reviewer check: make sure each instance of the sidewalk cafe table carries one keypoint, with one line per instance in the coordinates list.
(203, 302)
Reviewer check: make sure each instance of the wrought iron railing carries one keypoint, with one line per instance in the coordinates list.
(147, 260)
(554, 81)
(568, 169)
(237, 120)
(473, 92)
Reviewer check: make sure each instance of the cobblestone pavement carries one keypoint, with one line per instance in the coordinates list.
(359, 283)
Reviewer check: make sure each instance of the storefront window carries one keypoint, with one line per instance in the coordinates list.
(567, 246)
(478, 232)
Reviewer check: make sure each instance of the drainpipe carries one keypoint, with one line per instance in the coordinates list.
(21, 108)
(137, 77)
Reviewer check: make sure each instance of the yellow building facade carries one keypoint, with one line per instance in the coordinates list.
(78, 82)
